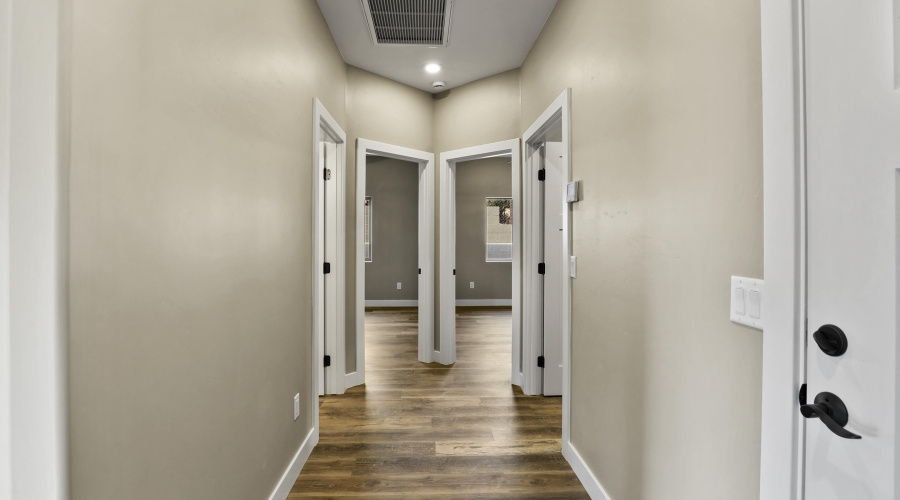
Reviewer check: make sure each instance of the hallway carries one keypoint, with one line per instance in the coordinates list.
(431, 431)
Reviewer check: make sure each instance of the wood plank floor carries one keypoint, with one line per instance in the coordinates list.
(421, 431)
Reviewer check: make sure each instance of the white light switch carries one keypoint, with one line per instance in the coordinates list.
(399, 285)
(753, 304)
(296, 406)
(739, 301)
(746, 301)
(573, 266)
(471, 284)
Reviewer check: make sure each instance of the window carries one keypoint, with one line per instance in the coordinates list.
(367, 218)
(498, 229)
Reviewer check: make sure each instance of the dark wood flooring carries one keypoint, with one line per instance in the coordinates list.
(423, 431)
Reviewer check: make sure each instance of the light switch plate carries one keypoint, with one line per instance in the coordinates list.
(747, 301)
(573, 266)
(296, 406)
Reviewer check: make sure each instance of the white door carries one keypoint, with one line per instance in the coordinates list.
(853, 134)
(329, 250)
(554, 267)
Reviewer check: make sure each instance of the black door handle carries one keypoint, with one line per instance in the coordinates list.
(829, 408)
(831, 340)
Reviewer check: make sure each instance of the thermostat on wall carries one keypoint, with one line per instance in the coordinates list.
(572, 191)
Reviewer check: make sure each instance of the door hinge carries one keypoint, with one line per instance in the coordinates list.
(802, 395)
(542, 174)
(327, 360)
(327, 175)
(541, 268)
(540, 361)
(326, 268)
(454, 272)
(420, 270)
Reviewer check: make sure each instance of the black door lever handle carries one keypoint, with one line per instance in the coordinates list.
(832, 412)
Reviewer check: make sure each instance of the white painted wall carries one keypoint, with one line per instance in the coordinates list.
(34, 165)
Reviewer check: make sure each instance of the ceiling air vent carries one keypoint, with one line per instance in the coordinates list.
(408, 22)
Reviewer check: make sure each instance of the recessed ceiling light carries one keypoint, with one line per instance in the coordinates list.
(432, 67)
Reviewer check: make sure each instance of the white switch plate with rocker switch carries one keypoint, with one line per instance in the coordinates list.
(471, 284)
(296, 406)
(399, 285)
(746, 301)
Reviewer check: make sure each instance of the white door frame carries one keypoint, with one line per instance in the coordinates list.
(448, 162)
(784, 199)
(425, 301)
(323, 122)
(34, 168)
(558, 112)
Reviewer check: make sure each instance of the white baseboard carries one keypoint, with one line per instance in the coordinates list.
(283, 488)
(352, 380)
(392, 303)
(587, 478)
(484, 302)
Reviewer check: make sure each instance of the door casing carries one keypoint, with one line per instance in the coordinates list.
(448, 161)
(425, 161)
(324, 124)
(559, 112)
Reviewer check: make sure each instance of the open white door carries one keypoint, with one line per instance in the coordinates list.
(853, 143)
(555, 275)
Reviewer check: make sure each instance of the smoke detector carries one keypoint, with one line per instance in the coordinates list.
(438, 85)
(405, 22)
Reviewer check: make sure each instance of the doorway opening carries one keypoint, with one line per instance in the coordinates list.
(398, 265)
(507, 245)
(546, 243)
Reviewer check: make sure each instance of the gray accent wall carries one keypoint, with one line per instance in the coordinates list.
(475, 181)
(394, 188)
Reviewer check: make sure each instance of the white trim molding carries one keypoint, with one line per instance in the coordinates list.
(559, 111)
(448, 161)
(588, 479)
(484, 302)
(5, 338)
(783, 429)
(425, 302)
(392, 303)
(324, 123)
(34, 109)
(283, 488)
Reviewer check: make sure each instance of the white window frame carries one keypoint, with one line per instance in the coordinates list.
(486, 252)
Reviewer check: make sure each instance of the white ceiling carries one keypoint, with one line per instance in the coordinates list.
(486, 37)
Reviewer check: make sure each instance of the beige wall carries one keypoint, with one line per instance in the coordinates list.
(394, 188)
(666, 128)
(480, 112)
(475, 181)
(380, 110)
(191, 242)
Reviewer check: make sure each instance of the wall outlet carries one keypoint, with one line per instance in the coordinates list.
(746, 301)
(296, 406)
(399, 285)
(471, 284)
